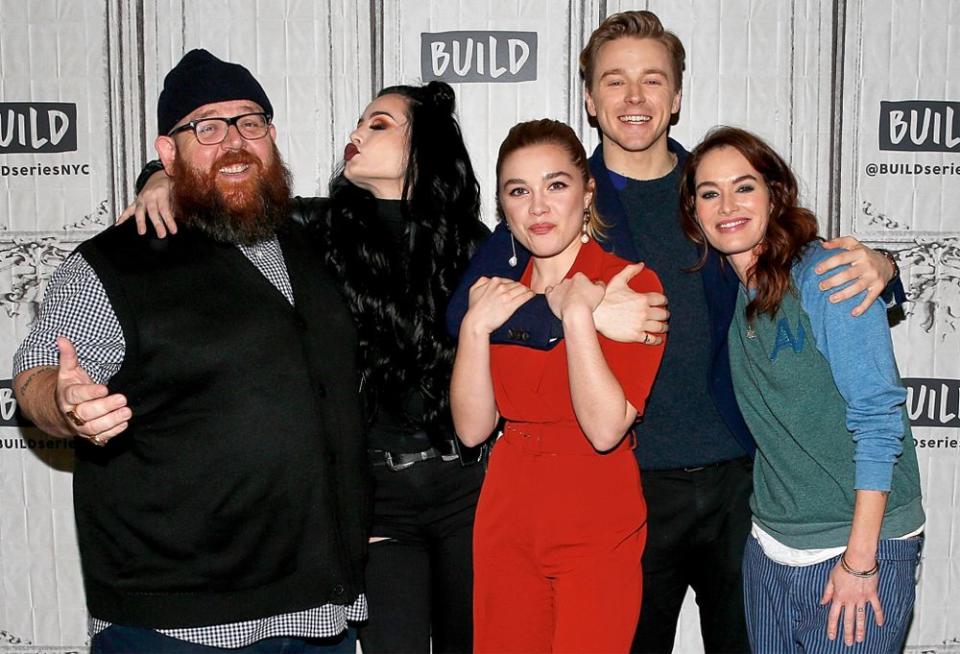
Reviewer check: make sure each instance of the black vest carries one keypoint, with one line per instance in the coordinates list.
(239, 489)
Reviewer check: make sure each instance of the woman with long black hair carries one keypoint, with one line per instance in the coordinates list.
(401, 222)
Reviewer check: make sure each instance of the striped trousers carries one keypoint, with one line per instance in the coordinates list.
(784, 614)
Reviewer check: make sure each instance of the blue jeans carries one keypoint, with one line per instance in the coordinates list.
(783, 602)
(118, 639)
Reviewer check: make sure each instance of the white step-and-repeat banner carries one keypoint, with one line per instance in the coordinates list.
(862, 96)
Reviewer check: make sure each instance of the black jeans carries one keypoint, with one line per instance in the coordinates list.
(420, 581)
(697, 525)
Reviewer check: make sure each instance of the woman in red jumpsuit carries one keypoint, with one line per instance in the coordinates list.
(561, 523)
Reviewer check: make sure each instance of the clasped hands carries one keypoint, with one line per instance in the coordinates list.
(619, 312)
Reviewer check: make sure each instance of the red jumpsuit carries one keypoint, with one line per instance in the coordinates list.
(560, 528)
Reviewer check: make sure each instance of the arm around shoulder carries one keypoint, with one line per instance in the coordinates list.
(308, 211)
(633, 361)
(646, 281)
(854, 268)
(533, 324)
(634, 308)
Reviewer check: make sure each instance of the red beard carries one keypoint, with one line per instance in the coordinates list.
(243, 212)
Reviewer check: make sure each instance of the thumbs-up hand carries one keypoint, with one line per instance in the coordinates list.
(88, 409)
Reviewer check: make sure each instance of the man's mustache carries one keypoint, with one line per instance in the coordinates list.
(236, 157)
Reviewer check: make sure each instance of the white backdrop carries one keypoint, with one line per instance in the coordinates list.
(808, 75)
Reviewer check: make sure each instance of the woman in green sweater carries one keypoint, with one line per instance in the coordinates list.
(837, 518)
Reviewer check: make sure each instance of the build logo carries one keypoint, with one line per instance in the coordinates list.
(490, 57)
(10, 415)
(933, 402)
(920, 126)
(38, 127)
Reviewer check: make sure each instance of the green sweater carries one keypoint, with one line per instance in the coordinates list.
(821, 394)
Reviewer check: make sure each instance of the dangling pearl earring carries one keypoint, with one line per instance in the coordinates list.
(584, 236)
(512, 261)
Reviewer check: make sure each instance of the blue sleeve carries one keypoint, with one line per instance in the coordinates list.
(860, 354)
(533, 324)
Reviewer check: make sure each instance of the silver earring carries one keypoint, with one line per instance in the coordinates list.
(513, 246)
(584, 236)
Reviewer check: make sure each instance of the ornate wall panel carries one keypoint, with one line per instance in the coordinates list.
(861, 96)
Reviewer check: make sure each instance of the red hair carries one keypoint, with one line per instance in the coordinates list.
(789, 229)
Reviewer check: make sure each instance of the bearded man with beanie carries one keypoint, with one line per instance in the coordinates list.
(210, 380)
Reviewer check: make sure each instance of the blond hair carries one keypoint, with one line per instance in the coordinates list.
(637, 24)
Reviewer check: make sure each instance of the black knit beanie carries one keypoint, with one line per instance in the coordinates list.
(199, 79)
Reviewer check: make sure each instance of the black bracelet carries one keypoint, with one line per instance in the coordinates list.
(892, 259)
(149, 169)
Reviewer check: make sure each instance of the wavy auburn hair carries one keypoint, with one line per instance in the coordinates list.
(789, 228)
(398, 298)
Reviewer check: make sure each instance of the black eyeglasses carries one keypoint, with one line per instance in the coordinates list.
(211, 131)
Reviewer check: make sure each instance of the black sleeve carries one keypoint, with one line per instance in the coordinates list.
(149, 169)
(308, 211)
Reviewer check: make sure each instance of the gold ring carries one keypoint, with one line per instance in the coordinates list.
(860, 609)
(74, 418)
(98, 440)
